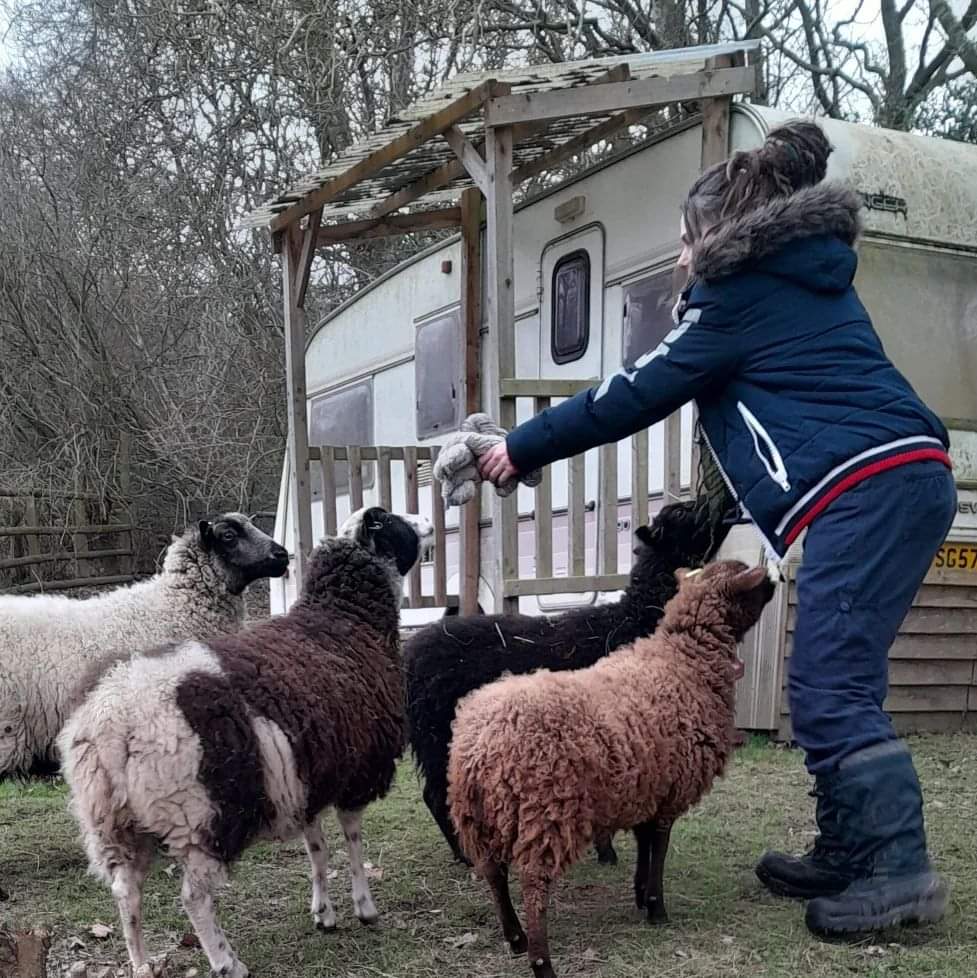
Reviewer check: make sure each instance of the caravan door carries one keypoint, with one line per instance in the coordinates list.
(571, 324)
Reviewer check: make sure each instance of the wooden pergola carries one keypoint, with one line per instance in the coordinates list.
(474, 141)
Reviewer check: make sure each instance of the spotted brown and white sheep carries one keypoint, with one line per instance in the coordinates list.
(203, 748)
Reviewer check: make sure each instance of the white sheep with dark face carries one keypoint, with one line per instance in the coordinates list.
(49, 642)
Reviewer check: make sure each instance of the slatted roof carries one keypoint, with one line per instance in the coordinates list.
(409, 160)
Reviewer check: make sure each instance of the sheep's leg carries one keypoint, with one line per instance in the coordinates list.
(535, 897)
(642, 834)
(201, 873)
(497, 877)
(603, 843)
(655, 893)
(315, 845)
(128, 879)
(363, 906)
(437, 805)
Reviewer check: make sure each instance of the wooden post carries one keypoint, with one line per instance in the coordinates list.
(125, 490)
(544, 512)
(500, 300)
(79, 541)
(299, 485)
(471, 317)
(715, 149)
(30, 518)
(413, 506)
(608, 508)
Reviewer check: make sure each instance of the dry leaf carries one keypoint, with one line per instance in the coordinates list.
(726, 939)
(374, 872)
(189, 939)
(78, 970)
(192, 973)
(681, 954)
(76, 944)
(589, 954)
(170, 870)
(875, 951)
(332, 874)
(100, 931)
(459, 942)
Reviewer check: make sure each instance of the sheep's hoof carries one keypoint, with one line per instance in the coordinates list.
(639, 897)
(518, 944)
(543, 968)
(325, 927)
(4, 895)
(606, 856)
(657, 913)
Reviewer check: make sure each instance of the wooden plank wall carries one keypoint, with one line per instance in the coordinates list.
(933, 663)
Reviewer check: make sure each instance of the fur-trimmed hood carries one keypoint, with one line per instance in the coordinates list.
(828, 211)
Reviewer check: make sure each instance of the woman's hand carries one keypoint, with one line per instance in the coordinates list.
(495, 466)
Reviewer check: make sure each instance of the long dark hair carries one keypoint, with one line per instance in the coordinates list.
(793, 156)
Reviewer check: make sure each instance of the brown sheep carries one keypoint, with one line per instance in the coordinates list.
(541, 764)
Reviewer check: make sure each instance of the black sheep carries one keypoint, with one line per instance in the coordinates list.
(448, 659)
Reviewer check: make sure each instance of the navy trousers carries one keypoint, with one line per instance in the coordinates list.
(864, 560)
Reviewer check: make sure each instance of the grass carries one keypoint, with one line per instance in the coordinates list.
(436, 920)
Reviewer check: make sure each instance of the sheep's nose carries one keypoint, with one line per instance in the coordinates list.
(279, 553)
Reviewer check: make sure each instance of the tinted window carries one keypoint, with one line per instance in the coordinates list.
(570, 326)
(647, 315)
(342, 418)
(437, 375)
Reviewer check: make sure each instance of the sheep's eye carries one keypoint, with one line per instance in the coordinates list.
(228, 536)
(8, 729)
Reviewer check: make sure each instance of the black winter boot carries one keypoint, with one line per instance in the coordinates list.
(880, 814)
(824, 870)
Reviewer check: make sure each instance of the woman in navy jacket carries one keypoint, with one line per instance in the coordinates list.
(815, 429)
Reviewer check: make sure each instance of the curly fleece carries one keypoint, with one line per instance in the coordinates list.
(447, 660)
(541, 763)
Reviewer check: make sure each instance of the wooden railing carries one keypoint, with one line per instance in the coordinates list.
(23, 550)
(324, 460)
(609, 576)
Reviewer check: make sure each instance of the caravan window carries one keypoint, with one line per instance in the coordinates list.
(570, 304)
(340, 418)
(647, 315)
(437, 375)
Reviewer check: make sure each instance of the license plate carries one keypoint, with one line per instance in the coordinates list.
(956, 556)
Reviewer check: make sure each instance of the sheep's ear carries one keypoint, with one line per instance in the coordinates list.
(748, 580)
(649, 535)
(206, 529)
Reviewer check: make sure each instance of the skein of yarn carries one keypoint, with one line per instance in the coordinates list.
(456, 467)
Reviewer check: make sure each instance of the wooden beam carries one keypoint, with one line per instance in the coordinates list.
(577, 144)
(299, 486)
(468, 156)
(512, 387)
(471, 317)
(567, 585)
(304, 269)
(371, 164)
(432, 181)
(600, 99)
(500, 302)
(393, 224)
